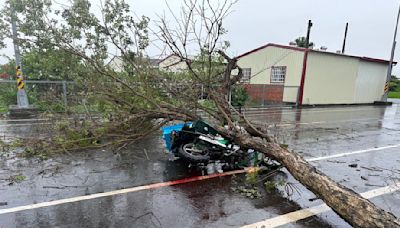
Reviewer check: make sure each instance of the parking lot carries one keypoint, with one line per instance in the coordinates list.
(357, 146)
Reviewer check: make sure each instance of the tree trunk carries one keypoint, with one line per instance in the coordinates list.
(349, 205)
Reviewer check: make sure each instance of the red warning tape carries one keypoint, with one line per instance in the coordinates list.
(199, 178)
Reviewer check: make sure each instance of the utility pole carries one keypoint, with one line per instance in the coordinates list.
(299, 102)
(22, 97)
(345, 38)
(308, 33)
(389, 72)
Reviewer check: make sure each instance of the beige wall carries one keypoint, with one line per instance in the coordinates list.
(330, 79)
(173, 64)
(116, 64)
(333, 79)
(261, 62)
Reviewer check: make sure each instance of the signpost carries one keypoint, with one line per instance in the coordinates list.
(389, 72)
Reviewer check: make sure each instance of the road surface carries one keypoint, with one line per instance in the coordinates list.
(358, 146)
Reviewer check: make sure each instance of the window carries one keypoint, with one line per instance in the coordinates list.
(278, 74)
(246, 75)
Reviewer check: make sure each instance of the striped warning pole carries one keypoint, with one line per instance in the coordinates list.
(20, 79)
(387, 87)
(390, 67)
(22, 97)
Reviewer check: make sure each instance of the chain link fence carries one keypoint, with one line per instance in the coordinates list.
(60, 96)
(53, 96)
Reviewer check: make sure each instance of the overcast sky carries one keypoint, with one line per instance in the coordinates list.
(256, 22)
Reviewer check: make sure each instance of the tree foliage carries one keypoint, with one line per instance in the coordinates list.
(139, 100)
(239, 96)
(394, 84)
(302, 42)
(51, 64)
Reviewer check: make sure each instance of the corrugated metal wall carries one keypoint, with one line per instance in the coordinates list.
(330, 79)
(335, 79)
(370, 82)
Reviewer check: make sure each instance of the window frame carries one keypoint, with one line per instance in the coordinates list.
(284, 75)
(247, 80)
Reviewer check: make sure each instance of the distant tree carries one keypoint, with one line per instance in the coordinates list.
(51, 64)
(7, 71)
(394, 83)
(301, 42)
(45, 64)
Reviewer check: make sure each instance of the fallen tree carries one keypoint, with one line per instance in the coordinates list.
(136, 99)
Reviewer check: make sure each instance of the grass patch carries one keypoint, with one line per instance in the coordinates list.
(394, 94)
(3, 108)
(16, 178)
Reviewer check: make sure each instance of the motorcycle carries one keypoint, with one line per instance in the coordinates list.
(201, 145)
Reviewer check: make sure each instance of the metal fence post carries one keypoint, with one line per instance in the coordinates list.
(64, 86)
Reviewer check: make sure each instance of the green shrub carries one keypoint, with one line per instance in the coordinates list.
(8, 96)
(239, 96)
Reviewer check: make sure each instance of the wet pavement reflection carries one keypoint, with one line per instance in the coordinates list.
(314, 132)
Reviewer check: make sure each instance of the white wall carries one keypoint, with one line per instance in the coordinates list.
(330, 79)
(117, 64)
(370, 82)
(172, 64)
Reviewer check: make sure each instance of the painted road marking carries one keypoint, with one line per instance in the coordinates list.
(323, 122)
(308, 212)
(26, 124)
(121, 191)
(305, 111)
(163, 184)
(293, 124)
(352, 153)
(22, 120)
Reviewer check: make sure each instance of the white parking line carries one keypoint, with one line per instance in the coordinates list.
(352, 153)
(24, 124)
(294, 124)
(308, 212)
(326, 122)
(305, 111)
(22, 120)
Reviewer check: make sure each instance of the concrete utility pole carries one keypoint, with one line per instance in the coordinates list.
(389, 72)
(345, 38)
(308, 34)
(22, 97)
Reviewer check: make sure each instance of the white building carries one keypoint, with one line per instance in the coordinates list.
(117, 63)
(291, 74)
(172, 63)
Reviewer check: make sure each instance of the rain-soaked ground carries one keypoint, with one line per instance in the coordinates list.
(368, 134)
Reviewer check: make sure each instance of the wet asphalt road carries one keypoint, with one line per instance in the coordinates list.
(315, 132)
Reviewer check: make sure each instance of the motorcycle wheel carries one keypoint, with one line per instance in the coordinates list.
(190, 153)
